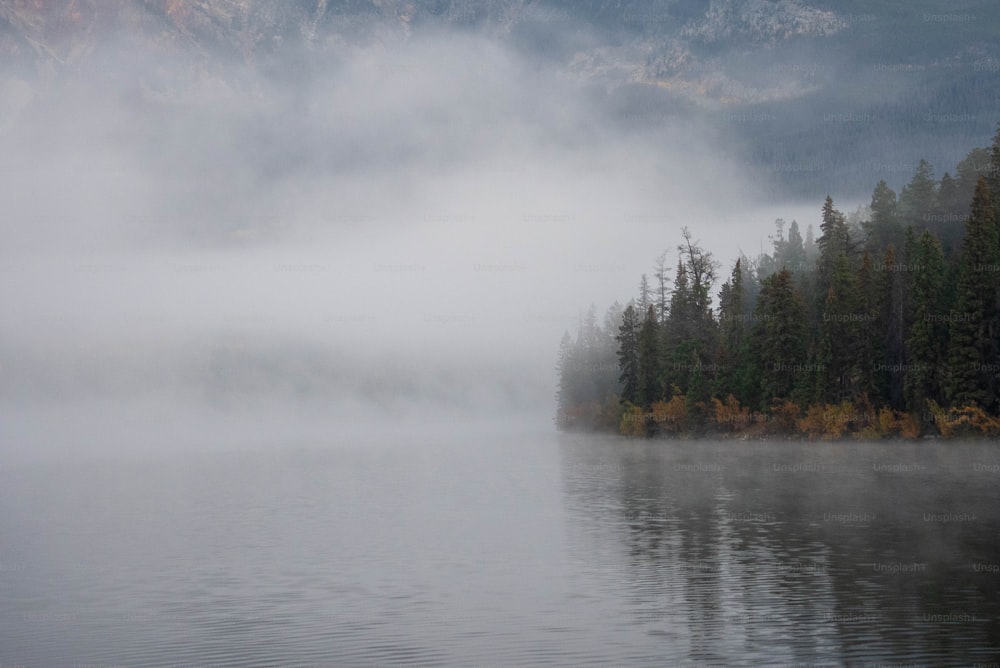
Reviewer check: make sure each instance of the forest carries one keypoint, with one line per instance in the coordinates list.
(884, 323)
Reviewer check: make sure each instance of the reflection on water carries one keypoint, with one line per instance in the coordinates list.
(798, 553)
(531, 549)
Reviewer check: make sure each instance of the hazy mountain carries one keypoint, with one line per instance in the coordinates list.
(827, 93)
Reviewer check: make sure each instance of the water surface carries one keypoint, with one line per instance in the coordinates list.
(524, 548)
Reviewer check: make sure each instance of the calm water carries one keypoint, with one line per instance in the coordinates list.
(537, 549)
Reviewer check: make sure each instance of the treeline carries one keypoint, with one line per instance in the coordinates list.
(885, 323)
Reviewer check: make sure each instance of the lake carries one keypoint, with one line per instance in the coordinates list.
(525, 547)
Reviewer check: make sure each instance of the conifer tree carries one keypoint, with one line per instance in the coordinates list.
(628, 354)
(883, 229)
(649, 387)
(795, 251)
(926, 343)
(892, 314)
(645, 295)
(833, 242)
(871, 381)
(563, 369)
(974, 318)
(918, 197)
(733, 357)
(839, 361)
(778, 338)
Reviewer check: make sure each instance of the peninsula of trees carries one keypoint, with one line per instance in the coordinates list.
(885, 325)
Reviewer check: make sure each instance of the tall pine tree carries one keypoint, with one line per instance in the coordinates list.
(974, 328)
(926, 344)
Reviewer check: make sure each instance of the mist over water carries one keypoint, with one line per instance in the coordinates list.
(278, 338)
(406, 232)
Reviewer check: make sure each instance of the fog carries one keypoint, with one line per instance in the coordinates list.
(394, 237)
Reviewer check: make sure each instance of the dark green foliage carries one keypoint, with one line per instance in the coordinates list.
(779, 338)
(628, 355)
(883, 230)
(838, 375)
(918, 200)
(649, 387)
(892, 316)
(973, 319)
(881, 316)
(926, 343)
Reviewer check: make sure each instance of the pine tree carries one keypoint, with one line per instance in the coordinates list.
(838, 373)
(795, 250)
(662, 280)
(733, 357)
(731, 321)
(778, 339)
(892, 312)
(883, 229)
(564, 393)
(926, 344)
(833, 242)
(645, 294)
(872, 381)
(918, 197)
(974, 327)
(676, 339)
(649, 387)
(628, 354)
(993, 175)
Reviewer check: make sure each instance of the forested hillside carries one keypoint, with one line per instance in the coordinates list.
(877, 325)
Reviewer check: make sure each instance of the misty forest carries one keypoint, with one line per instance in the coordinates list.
(297, 366)
(883, 323)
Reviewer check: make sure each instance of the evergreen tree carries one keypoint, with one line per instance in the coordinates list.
(795, 251)
(838, 360)
(676, 340)
(778, 339)
(733, 357)
(993, 175)
(645, 294)
(883, 228)
(872, 381)
(662, 279)
(649, 387)
(833, 242)
(974, 319)
(918, 197)
(892, 311)
(628, 354)
(926, 343)
(564, 393)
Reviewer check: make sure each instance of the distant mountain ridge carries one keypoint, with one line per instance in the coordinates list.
(789, 81)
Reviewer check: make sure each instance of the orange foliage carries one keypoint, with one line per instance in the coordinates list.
(967, 421)
(785, 416)
(730, 415)
(671, 415)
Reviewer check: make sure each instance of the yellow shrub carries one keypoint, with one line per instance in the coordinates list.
(785, 416)
(633, 420)
(730, 415)
(671, 415)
